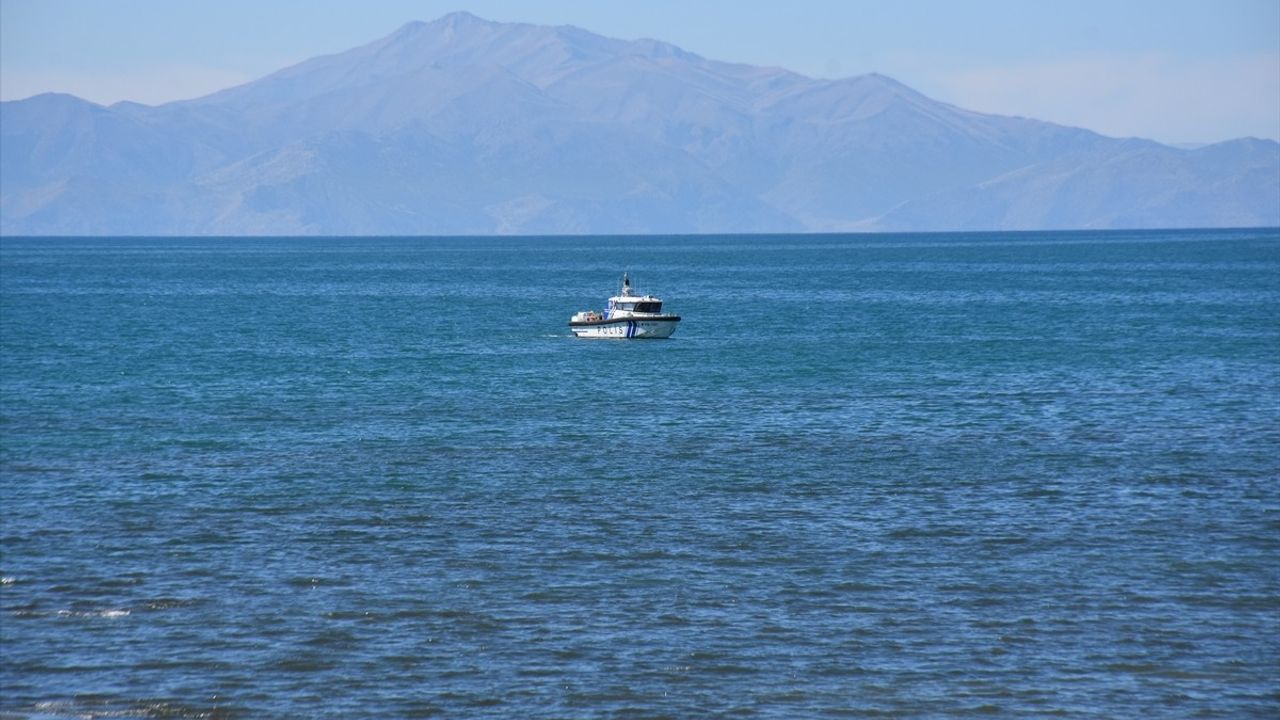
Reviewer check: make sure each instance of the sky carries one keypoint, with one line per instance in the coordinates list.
(1176, 71)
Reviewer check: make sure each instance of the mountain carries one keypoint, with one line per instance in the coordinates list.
(465, 126)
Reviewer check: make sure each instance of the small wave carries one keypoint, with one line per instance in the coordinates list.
(112, 613)
(165, 603)
(308, 582)
(8, 580)
(92, 707)
(157, 604)
(119, 581)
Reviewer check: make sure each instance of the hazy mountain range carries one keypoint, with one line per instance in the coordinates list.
(464, 126)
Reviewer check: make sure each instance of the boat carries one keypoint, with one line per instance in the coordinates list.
(629, 316)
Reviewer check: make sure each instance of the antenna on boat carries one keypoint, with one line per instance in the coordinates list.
(626, 284)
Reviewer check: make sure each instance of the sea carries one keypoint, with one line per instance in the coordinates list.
(910, 476)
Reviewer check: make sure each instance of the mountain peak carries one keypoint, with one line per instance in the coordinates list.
(445, 24)
(60, 100)
(460, 19)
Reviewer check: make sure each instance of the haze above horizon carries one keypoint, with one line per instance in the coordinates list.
(1177, 72)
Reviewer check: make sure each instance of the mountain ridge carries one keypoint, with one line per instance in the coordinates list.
(467, 126)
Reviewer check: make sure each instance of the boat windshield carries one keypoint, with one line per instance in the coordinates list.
(649, 307)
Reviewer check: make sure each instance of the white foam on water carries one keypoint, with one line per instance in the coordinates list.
(109, 708)
(112, 613)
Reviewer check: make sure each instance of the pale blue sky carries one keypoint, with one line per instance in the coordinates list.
(1172, 70)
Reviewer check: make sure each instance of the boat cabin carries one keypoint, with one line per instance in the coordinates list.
(641, 305)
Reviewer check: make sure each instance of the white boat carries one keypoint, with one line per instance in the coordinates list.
(628, 316)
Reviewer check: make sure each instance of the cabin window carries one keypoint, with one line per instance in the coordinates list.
(627, 306)
(649, 307)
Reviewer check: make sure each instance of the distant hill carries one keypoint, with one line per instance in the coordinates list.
(464, 126)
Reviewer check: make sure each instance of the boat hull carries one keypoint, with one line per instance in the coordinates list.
(631, 328)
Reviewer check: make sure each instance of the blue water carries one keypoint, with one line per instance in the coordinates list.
(1009, 475)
